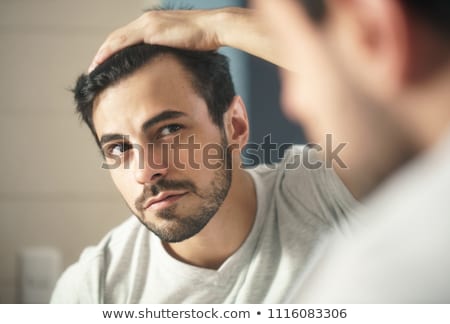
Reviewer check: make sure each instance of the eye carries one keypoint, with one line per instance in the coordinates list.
(169, 129)
(116, 149)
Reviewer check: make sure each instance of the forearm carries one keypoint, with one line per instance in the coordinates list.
(245, 30)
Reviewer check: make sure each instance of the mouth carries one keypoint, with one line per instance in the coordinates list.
(163, 200)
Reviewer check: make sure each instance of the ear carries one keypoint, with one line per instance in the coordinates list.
(372, 39)
(236, 123)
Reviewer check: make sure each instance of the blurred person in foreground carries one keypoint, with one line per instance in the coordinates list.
(376, 74)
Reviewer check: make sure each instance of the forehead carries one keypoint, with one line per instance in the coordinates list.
(163, 84)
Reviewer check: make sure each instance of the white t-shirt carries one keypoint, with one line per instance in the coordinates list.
(398, 249)
(295, 208)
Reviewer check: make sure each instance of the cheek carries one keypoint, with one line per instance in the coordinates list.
(315, 100)
(187, 164)
(183, 158)
(196, 152)
(290, 97)
(299, 102)
(198, 164)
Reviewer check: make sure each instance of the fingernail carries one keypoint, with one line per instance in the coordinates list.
(97, 58)
(91, 67)
(99, 55)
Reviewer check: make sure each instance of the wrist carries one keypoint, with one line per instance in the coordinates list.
(224, 21)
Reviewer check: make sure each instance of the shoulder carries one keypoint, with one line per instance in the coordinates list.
(120, 238)
(291, 160)
(83, 281)
(300, 169)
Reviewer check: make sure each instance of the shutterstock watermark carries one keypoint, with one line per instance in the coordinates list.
(192, 154)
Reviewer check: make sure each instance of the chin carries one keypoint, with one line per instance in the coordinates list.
(174, 234)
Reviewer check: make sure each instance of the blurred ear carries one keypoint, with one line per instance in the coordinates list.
(372, 42)
(236, 123)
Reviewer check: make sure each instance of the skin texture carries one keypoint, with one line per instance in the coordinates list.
(214, 208)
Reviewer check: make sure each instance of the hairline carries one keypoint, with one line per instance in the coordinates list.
(189, 75)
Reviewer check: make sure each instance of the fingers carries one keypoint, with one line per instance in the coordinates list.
(177, 28)
(112, 45)
(117, 40)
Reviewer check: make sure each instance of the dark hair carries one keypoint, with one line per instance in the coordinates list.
(435, 12)
(316, 9)
(209, 72)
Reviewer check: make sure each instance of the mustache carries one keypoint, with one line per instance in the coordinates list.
(163, 185)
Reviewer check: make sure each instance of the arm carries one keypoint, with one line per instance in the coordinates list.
(195, 29)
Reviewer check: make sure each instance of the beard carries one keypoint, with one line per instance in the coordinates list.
(176, 228)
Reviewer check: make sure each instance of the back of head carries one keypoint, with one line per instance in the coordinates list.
(435, 13)
(209, 73)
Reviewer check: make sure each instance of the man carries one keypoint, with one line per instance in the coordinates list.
(170, 128)
(387, 63)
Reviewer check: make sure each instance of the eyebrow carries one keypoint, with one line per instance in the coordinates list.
(165, 115)
(111, 137)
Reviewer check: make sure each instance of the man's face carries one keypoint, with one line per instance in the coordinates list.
(154, 130)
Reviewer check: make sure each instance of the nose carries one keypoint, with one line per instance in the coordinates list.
(149, 166)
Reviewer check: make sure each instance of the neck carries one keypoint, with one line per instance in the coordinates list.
(425, 110)
(226, 231)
